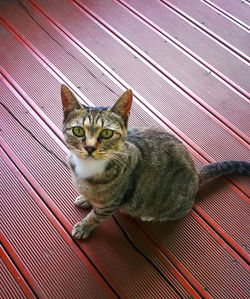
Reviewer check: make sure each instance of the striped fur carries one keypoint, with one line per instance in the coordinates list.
(210, 171)
(145, 172)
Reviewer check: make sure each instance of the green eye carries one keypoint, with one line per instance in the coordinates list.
(78, 131)
(106, 134)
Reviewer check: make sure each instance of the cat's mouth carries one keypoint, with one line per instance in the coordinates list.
(83, 154)
(86, 156)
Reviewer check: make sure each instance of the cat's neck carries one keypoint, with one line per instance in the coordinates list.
(85, 168)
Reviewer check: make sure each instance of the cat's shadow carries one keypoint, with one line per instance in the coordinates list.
(170, 237)
(144, 236)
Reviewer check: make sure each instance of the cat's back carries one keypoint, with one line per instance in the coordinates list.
(160, 149)
(153, 140)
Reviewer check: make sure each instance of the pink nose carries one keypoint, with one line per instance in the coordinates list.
(90, 149)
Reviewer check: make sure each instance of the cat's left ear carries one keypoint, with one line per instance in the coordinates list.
(123, 105)
(69, 101)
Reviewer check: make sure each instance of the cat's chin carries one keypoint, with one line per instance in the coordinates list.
(90, 158)
(81, 155)
(87, 158)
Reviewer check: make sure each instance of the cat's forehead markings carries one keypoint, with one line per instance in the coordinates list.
(93, 118)
(77, 122)
(98, 121)
(87, 121)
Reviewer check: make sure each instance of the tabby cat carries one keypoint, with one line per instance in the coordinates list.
(145, 172)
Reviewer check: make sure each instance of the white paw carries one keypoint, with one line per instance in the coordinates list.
(145, 218)
(82, 202)
(81, 231)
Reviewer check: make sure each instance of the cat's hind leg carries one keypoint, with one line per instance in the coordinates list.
(82, 202)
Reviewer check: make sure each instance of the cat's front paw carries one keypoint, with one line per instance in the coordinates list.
(81, 231)
(82, 202)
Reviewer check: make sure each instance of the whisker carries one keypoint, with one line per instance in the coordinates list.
(117, 152)
(115, 158)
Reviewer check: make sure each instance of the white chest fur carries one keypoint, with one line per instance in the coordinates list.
(85, 168)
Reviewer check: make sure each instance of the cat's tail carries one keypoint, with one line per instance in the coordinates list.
(214, 170)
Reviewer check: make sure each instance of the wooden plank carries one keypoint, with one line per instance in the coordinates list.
(236, 11)
(12, 282)
(191, 37)
(220, 29)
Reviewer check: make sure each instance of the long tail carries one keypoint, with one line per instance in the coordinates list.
(213, 170)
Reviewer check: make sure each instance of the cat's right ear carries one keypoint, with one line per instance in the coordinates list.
(69, 101)
(123, 105)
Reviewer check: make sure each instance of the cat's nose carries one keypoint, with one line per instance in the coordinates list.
(90, 149)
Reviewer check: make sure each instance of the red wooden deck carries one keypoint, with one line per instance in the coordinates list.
(187, 62)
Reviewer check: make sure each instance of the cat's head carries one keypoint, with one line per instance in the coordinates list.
(95, 132)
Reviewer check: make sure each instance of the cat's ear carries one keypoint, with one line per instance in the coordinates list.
(69, 101)
(123, 105)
